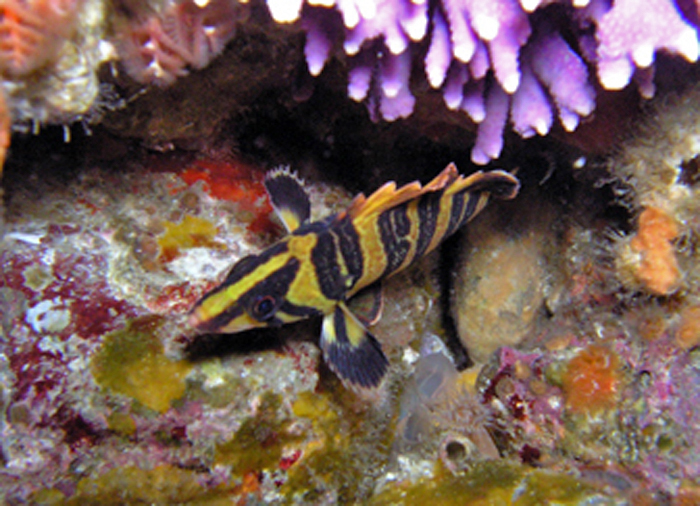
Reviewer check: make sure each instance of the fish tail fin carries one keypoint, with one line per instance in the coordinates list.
(498, 183)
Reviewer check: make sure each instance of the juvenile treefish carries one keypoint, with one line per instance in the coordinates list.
(320, 265)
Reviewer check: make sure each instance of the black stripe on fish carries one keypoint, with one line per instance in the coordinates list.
(325, 261)
(394, 226)
(456, 214)
(499, 184)
(248, 264)
(470, 208)
(273, 289)
(222, 319)
(288, 198)
(299, 311)
(349, 242)
(428, 211)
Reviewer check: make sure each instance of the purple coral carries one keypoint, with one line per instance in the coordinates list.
(517, 60)
(629, 35)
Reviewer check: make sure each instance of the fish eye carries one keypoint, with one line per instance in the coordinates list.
(263, 307)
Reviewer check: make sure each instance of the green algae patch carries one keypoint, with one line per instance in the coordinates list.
(543, 487)
(164, 484)
(491, 483)
(260, 441)
(131, 362)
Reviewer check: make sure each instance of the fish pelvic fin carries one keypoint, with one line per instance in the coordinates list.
(351, 351)
(367, 304)
(289, 199)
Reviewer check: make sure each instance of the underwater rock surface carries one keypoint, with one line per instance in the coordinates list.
(107, 394)
(504, 275)
(578, 305)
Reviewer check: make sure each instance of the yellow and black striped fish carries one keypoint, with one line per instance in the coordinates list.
(320, 265)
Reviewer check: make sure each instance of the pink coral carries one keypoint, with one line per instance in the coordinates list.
(504, 59)
(31, 32)
(162, 47)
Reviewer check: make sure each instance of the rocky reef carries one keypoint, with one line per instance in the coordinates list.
(547, 353)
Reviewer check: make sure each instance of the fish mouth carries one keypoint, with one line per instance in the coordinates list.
(223, 323)
(193, 320)
(199, 322)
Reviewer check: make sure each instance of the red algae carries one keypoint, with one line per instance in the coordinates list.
(591, 382)
(234, 182)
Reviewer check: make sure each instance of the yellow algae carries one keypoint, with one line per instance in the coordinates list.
(314, 406)
(164, 484)
(490, 483)
(48, 497)
(467, 379)
(260, 441)
(121, 423)
(131, 362)
(191, 232)
(346, 447)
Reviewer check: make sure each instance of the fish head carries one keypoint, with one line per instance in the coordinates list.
(253, 295)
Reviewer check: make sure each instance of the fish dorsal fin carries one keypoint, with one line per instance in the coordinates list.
(288, 197)
(388, 196)
(351, 351)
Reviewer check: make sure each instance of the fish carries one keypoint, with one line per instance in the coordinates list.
(321, 266)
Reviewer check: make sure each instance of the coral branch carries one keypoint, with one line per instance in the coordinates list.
(629, 34)
(515, 46)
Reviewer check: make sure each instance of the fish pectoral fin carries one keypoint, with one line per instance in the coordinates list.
(367, 304)
(351, 351)
(288, 197)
